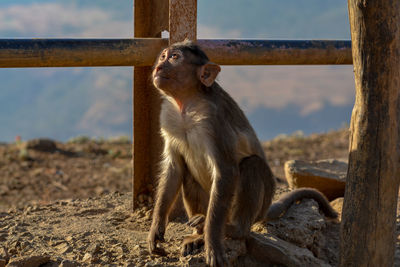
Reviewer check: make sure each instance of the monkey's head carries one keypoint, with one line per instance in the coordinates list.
(183, 68)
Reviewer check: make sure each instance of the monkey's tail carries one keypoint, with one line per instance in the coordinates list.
(279, 207)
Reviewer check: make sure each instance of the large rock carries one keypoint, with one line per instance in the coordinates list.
(328, 176)
(304, 226)
(301, 237)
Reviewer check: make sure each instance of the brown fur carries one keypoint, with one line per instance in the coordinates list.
(211, 152)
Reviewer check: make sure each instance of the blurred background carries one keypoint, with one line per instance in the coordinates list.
(62, 103)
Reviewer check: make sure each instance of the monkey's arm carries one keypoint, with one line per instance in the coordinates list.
(282, 205)
(167, 191)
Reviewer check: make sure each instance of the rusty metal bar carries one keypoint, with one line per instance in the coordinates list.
(277, 52)
(16, 53)
(151, 18)
(20, 53)
(182, 20)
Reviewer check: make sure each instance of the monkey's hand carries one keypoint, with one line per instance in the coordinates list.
(155, 236)
(215, 256)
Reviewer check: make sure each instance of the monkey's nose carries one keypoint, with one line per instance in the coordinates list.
(158, 68)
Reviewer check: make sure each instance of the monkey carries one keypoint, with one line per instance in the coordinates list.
(212, 155)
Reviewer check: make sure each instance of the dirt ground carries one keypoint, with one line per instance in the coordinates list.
(85, 168)
(72, 206)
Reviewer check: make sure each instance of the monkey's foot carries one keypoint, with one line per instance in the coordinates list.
(192, 244)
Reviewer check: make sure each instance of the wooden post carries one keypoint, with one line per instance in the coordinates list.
(369, 212)
(182, 20)
(151, 18)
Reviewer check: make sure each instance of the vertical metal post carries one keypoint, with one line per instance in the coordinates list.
(182, 20)
(150, 19)
(182, 25)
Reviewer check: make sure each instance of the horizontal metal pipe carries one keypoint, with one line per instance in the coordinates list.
(277, 52)
(21, 53)
(15, 53)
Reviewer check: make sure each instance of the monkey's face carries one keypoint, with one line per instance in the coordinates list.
(173, 73)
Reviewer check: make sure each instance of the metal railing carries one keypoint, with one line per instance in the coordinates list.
(23, 53)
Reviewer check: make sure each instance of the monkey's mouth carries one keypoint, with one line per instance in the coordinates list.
(160, 76)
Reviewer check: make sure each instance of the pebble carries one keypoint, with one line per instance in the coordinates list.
(144, 252)
(94, 248)
(87, 257)
(12, 210)
(3, 237)
(68, 263)
(63, 248)
(153, 264)
(148, 215)
(141, 198)
(4, 253)
(140, 214)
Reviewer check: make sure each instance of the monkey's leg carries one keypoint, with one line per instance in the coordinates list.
(195, 200)
(252, 196)
(167, 190)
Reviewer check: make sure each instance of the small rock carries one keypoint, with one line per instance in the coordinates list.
(192, 260)
(337, 204)
(4, 253)
(94, 248)
(87, 257)
(4, 189)
(68, 263)
(141, 198)
(3, 237)
(143, 252)
(140, 214)
(148, 214)
(42, 144)
(328, 176)
(63, 248)
(153, 264)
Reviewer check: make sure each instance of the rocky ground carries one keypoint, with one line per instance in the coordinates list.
(86, 168)
(70, 205)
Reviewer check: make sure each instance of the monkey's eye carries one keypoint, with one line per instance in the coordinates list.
(175, 55)
(162, 57)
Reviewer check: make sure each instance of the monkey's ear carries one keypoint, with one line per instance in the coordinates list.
(208, 73)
